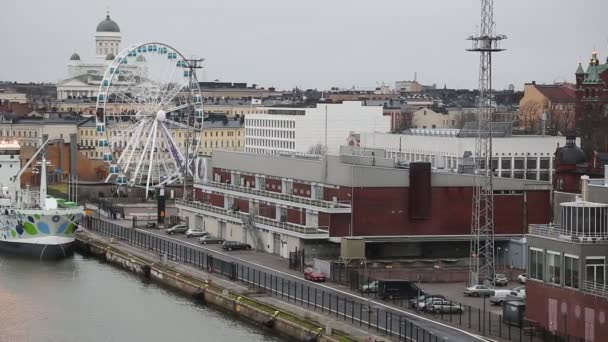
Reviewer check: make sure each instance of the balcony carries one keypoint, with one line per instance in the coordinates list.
(338, 207)
(260, 221)
(595, 288)
(558, 233)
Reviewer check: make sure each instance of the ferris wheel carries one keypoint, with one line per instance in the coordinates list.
(149, 116)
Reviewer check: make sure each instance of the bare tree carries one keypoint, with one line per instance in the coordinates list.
(318, 149)
(560, 117)
(528, 117)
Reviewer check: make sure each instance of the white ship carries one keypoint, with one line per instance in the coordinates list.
(31, 223)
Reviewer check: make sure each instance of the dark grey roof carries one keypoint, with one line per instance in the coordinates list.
(108, 25)
(220, 124)
(110, 57)
(75, 57)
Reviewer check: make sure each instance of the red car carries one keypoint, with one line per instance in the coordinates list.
(313, 275)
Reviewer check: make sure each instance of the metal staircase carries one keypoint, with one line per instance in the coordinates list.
(252, 230)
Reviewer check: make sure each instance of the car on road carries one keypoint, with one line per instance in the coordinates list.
(192, 232)
(499, 297)
(478, 290)
(444, 306)
(151, 225)
(522, 278)
(178, 228)
(235, 245)
(518, 293)
(371, 287)
(209, 239)
(500, 280)
(314, 275)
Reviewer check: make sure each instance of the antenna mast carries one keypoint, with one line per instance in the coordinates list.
(482, 266)
(192, 64)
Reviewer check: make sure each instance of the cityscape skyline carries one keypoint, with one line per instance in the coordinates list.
(276, 44)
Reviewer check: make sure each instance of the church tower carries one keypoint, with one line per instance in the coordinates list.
(107, 38)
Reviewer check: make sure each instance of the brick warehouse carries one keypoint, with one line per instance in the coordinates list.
(280, 203)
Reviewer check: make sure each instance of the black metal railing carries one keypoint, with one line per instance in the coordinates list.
(347, 308)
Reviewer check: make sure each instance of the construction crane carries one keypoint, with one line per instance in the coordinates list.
(486, 42)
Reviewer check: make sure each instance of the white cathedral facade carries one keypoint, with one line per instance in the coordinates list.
(84, 77)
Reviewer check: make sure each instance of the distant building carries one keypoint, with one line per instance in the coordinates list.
(84, 77)
(408, 87)
(28, 131)
(303, 130)
(12, 97)
(228, 135)
(592, 106)
(428, 118)
(557, 100)
(523, 157)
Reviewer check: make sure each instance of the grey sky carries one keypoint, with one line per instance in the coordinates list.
(314, 43)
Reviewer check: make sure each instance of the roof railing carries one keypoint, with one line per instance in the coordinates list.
(557, 232)
(595, 288)
(277, 195)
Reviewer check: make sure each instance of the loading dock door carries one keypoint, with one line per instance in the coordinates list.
(276, 244)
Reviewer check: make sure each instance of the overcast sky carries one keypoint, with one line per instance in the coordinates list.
(314, 43)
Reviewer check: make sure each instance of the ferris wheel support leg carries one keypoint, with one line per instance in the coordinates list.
(155, 125)
(141, 159)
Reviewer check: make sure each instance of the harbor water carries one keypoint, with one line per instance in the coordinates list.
(81, 299)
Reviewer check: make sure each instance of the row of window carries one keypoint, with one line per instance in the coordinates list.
(270, 123)
(281, 144)
(229, 143)
(18, 133)
(271, 133)
(563, 269)
(221, 133)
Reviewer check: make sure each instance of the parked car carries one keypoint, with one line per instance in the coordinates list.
(518, 293)
(314, 275)
(151, 225)
(499, 297)
(178, 228)
(209, 239)
(234, 245)
(444, 306)
(424, 305)
(422, 300)
(500, 280)
(390, 289)
(371, 287)
(478, 290)
(195, 233)
(522, 278)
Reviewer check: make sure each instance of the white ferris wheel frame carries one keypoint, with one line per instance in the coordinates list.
(186, 159)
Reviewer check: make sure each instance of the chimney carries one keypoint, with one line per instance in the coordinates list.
(585, 188)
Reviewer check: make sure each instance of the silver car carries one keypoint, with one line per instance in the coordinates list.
(443, 306)
(479, 290)
(195, 233)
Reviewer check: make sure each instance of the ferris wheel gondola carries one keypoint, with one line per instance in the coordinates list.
(149, 116)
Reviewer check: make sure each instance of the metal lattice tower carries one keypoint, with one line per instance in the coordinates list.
(482, 267)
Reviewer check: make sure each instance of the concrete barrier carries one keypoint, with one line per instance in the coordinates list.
(281, 322)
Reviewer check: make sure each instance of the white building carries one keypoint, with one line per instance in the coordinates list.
(308, 130)
(84, 77)
(10, 163)
(524, 157)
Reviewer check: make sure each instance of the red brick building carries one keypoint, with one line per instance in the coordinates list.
(304, 200)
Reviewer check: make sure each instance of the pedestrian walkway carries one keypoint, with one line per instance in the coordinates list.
(239, 288)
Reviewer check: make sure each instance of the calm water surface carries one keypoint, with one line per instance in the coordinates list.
(81, 299)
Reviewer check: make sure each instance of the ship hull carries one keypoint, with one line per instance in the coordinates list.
(38, 250)
(37, 233)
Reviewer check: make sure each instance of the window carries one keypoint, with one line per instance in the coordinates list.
(554, 267)
(505, 164)
(536, 264)
(595, 269)
(570, 271)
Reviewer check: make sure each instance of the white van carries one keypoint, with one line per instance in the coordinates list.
(499, 296)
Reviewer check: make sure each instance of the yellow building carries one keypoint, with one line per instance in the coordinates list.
(222, 135)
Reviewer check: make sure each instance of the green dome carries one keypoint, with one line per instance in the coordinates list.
(75, 57)
(108, 25)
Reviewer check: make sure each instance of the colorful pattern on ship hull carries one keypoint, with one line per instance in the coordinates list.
(18, 225)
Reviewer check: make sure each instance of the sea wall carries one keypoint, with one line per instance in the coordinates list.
(204, 291)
